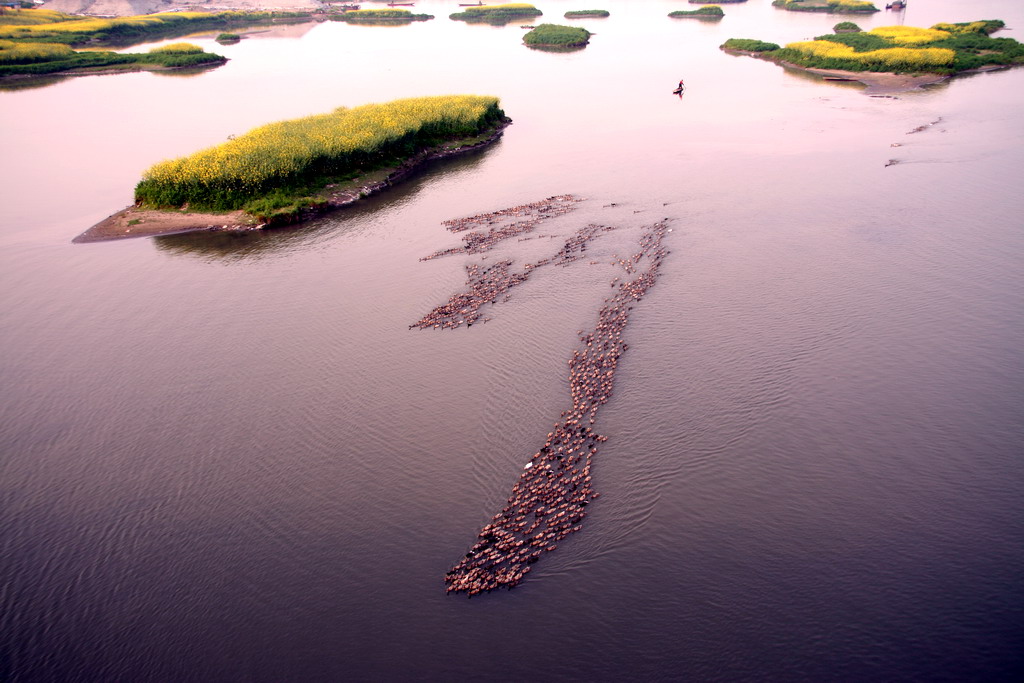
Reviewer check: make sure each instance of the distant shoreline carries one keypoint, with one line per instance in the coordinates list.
(135, 221)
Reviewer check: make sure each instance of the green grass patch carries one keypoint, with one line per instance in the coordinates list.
(377, 16)
(280, 168)
(749, 45)
(846, 27)
(706, 12)
(496, 14)
(102, 60)
(228, 38)
(827, 6)
(587, 13)
(555, 35)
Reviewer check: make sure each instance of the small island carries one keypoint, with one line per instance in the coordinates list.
(714, 2)
(557, 37)
(846, 27)
(39, 42)
(24, 59)
(496, 14)
(894, 58)
(587, 14)
(827, 6)
(290, 171)
(379, 16)
(712, 12)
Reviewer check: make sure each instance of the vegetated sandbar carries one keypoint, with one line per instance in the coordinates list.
(587, 14)
(827, 6)
(291, 171)
(496, 14)
(708, 12)
(47, 26)
(40, 43)
(379, 16)
(892, 59)
(557, 37)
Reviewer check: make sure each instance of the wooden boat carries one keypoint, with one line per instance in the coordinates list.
(679, 90)
(896, 4)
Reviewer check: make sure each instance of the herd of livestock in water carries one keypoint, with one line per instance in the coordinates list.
(550, 499)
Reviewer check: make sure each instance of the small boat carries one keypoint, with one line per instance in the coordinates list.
(896, 5)
(679, 90)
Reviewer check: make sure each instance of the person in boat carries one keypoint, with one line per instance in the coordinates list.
(681, 84)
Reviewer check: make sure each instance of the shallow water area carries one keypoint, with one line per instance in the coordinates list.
(229, 458)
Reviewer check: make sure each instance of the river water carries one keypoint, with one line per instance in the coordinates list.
(228, 458)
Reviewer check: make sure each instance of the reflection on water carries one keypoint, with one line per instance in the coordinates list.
(30, 83)
(557, 48)
(189, 72)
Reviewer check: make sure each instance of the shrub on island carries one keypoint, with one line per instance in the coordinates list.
(380, 16)
(587, 14)
(281, 167)
(555, 35)
(846, 27)
(228, 38)
(749, 45)
(177, 48)
(941, 49)
(706, 12)
(828, 6)
(496, 14)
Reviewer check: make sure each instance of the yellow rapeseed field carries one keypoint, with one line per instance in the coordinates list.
(12, 52)
(337, 142)
(178, 47)
(92, 25)
(26, 17)
(895, 57)
(909, 35)
(971, 27)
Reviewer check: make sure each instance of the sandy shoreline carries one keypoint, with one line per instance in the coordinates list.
(135, 221)
(877, 83)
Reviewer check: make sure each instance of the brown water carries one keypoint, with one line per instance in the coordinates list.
(228, 458)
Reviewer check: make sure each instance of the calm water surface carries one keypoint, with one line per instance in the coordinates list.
(227, 458)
